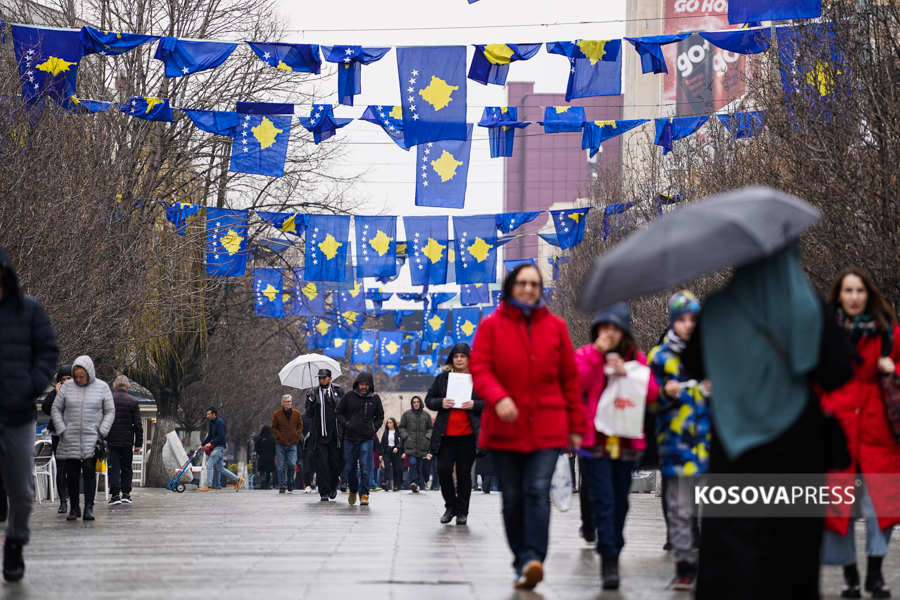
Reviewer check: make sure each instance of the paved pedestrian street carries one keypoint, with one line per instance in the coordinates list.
(266, 546)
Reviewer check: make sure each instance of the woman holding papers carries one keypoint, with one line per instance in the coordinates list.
(455, 431)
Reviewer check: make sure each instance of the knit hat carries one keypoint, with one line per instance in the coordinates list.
(64, 371)
(682, 303)
(617, 314)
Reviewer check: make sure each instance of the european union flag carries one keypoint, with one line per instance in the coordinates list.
(353, 300)
(226, 242)
(433, 93)
(465, 322)
(507, 222)
(322, 123)
(491, 61)
(744, 11)
(511, 264)
(376, 246)
(675, 128)
(293, 223)
(350, 60)
(650, 50)
(743, 124)
(48, 62)
(268, 284)
(443, 172)
(296, 58)
(502, 122)
(364, 347)
(327, 247)
(111, 43)
(428, 259)
(474, 293)
(340, 341)
(390, 119)
(91, 106)
(183, 57)
(260, 146)
(434, 325)
(595, 67)
(149, 109)
(177, 214)
(217, 122)
(307, 297)
(597, 132)
(389, 345)
(741, 41)
(476, 239)
(563, 119)
(399, 315)
(569, 225)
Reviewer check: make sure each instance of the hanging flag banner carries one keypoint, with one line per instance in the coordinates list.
(327, 247)
(226, 242)
(376, 246)
(293, 223)
(443, 172)
(111, 43)
(350, 60)
(268, 284)
(507, 222)
(476, 239)
(177, 214)
(433, 93)
(511, 264)
(650, 50)
(434, 325)
(364, 347)
(307, 297)
(390, 119)
(322, 123)
(676, 128)
(389, 346)
(491, 61)
(502, 122)
(48, 62)
(570, 225)
(260, 147)
(595, 67)
(743, 124)
(295, 58)
(353, 300)
(184, 57)
(563, 119)
(91, 106)
(597, 132)
(474, 293)
(428, 257)
(340, 341)
(465, 322)
(149, 109)
(218, 122)
(745, 11)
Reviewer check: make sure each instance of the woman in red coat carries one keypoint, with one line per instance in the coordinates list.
(523, 367)
(859, 406)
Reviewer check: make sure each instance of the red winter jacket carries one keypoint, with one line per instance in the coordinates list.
(859, 407)
(534, 364)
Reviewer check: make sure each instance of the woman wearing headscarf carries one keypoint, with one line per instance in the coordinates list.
(523, 367)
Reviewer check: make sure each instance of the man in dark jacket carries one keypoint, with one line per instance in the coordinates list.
(28, 355)
(321, 403)
(415, 429)
(215, 444)
(127, 432)
(287, 425)
(361, 414)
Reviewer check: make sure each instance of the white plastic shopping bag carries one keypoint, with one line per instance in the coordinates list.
(561, 484)
(620, 411)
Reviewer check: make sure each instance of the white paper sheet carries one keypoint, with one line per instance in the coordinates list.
(459, 388)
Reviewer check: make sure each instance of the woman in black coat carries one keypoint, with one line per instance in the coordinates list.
(265, 456)
(392, 456)
(454, 437)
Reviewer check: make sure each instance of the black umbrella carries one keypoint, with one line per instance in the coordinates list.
(729, 230)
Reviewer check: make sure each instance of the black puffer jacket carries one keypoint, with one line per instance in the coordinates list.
(127, 431)
(434, 400)
(360, 415)
(28, 350)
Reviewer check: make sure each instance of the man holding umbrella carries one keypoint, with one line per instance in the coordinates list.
(325, 435)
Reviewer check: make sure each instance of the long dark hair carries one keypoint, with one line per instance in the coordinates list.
(876, 306)
(510, 281)
(394, 421)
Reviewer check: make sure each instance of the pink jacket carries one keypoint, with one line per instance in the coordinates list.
(592, 381)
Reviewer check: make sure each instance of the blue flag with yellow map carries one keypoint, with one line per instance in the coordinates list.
(597, 132)
(433, 93)
(563, 119)
(390, 119)
(268, 284)
(426, 238)
(465, 322)
(321, 331)
(48, 62)
(293, 223)
(351, 300)
(91, 106)
(364, 347)
(149, 109)
(507, 222)
(350, 60)
(226, 242)
(676, 128)
(351, 323)
(218, 122)
(491, 61)
(569, 225)
(111, 43)
(376, 246)
(389, 345)
(260, 144)
(476, 243)
(474, 293)
(434, 325)
(322, 123)
(650, 50)
(502, 122)
(595, 67)
(443, 171)
(337, 344)
(296, 58)
(307, 297)
(327, 247)
(743, 124)
(184, 57)
(177, 214)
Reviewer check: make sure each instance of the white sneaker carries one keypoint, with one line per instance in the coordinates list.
(308, 490)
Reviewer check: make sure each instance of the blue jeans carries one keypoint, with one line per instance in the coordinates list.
(358, 454)
(840, 549)
(215, 465)
(525, 486)
(417, 471)
(285, 456)
(609, 483)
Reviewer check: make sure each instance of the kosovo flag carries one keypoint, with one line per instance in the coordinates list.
(426, 364)
(149, 109)
(322, 331)
(675, 128)
(495, 298)
(474, 293)
(595, 67)
(390, 119)
(650, 50)
(597, 132)
(376, 246)
(307, 297)
(260, 146)
(183, 57)
(390, 370)
(665, 200)
(434, 325)
(742, 41)
(745, 11)
(226, 242)
(563, 119)
(322, 123)
(433, 93)
(813, 73)
(555, 262)
(428, 257)
(293, 223)
(491, 61)
(443, 172)
(264, 108)
(507, 222)
(91, 106)
(399, 315)
(296, 58)
(511, 264)
(350, 60)
(217, 122)
(441, 297)
(48, 62)
(502, 122)
(465, 321)
(351, 300)
(327, 247)
(569, 225)
(267, 291)
(389, 345)
(378, 295)
(340, 341)
(351, 323)
(613, 209)
(476, 239)
(111, 43)
(177, 214)
(743, 124)
(364, 347)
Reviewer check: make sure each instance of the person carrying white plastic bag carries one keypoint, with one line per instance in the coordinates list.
(620, 411)
(561, 484)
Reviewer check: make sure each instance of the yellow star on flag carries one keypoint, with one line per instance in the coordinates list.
(438, 93)
(480, 249)
(436, 322)
(467, 328)
(381, 243)
(330, 246)
(433, 250)
(232, 242)
(445, 166)
(392, 347)
(270, 292)
(266, 133)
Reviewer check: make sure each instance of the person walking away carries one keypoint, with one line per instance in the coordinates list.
(83, 411)
(327, 434)
(609, 460)
(859, 307)
(484, 468)
(361, 414)
(453, 439)
(287, 426)
(682, 429)
(264, 446)
(523, 367)
(125, 437)
(392, 445)
(28, 355)
(63, 374)
(214, 445)
(415, 428)
(306, 460)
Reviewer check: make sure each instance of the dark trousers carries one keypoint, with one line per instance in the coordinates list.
(418, 471)
(458, 451)
(266, 476)
(120, 470)
(609, 483)
(78, 471)
(584, 499)
(525, 486)
(329, 466)
(61, 485)
(393, 469)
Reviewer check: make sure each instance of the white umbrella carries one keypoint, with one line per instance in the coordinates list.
(303, 371)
